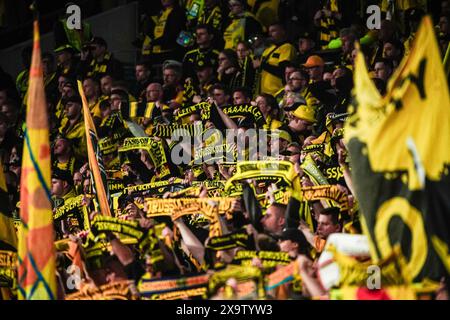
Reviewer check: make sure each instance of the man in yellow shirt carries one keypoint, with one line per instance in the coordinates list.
(273, 60)
(72, 126)
(91, 87)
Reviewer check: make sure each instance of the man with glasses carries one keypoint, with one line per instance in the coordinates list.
(298, 81)
(296, 89)
(289, 68)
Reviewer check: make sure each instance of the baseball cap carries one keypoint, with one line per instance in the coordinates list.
(98, 40)
(306, 35)
(294, 235)
(306, 113)
(65, 47)
(202, 64)
(76, 98)
(314, 61)
(64, 175)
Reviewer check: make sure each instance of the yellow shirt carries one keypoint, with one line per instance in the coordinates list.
(270, 83)
(94, 108)
(77, 135)
(235, 31)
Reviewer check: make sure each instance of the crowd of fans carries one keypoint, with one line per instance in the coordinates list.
(292, 60)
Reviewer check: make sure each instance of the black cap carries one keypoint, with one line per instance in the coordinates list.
(64, 175)
(99, 41)
(202, 64)
(120, 92)
(70, 83)
(76, 98)
(65, 48)
(294, 235)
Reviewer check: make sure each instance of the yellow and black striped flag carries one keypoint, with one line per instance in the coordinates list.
(399, 148)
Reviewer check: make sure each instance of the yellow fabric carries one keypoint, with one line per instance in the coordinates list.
(235, 31)
(408, 44)
(267, 12)
(69, 165)
(269, 83)
(160, 27)
(214, 18)
(77, 135)
(399, 132)
(94, 108)
(403, 122)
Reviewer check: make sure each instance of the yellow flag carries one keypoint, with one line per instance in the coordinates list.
(95, 158)
(36, 270)
(400, 157)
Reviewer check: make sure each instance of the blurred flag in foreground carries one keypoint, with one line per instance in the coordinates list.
(400, 158)
(36, 270)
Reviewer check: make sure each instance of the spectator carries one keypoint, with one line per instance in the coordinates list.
(143, 78)
(273, 221)
(315, 66)
(204, 52)
(160, 43)
(328, 223)
(242, 24)
(383, 69)
(271, 64)
(228, 72)
(96, 61)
